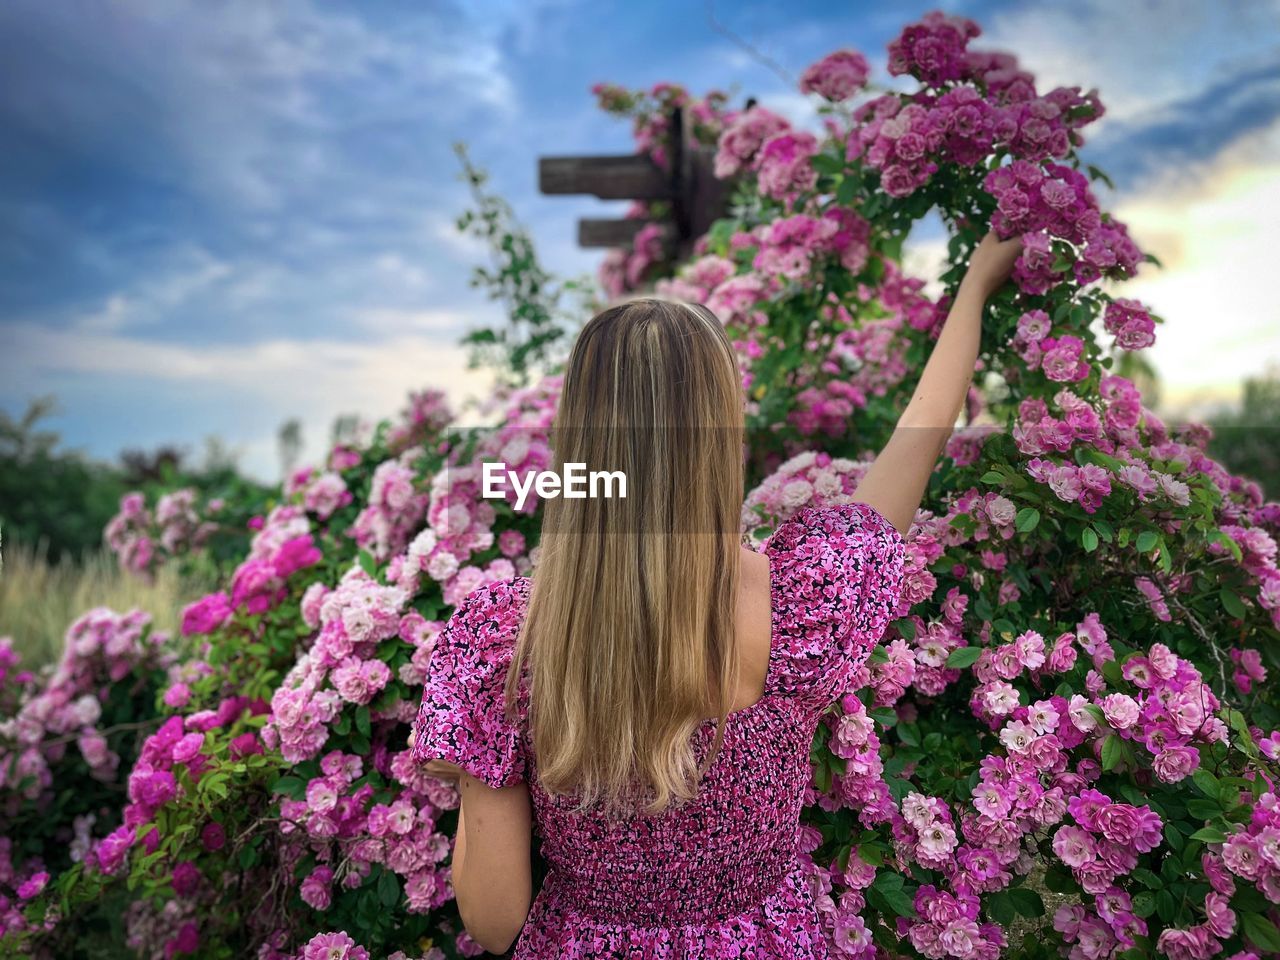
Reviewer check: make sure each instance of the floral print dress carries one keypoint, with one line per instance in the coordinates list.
(717, 877)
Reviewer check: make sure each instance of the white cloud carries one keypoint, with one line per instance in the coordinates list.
(1214, 227)
(1140, 56)
(315, 381)
(190, 271)
(247, 104)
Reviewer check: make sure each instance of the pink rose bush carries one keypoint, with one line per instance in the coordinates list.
(1066, 744)
(142, 538)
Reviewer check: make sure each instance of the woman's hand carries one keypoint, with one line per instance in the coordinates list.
(991, 264)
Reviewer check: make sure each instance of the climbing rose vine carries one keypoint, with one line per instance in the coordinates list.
(1065, 746)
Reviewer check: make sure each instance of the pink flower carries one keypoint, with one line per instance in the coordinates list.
(188, 748)
(783, 168)
(1121, 710)
(1074, 846)
(1176, 763)
(333, 946)
(33, 885)
(186, 878)
(316, 889)
(1221, 918)
(177, 695)
(206, 615)
(1017, 736)
(836, 76)
(213, 837)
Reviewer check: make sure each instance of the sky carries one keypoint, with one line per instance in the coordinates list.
(215, 217)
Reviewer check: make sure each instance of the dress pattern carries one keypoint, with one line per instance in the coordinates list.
(717, 877)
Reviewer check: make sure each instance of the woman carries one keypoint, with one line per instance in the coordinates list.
(649, 698)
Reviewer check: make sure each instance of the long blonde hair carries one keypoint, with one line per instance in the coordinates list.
(629, 629)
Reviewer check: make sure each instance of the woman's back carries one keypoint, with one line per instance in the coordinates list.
(717, 875)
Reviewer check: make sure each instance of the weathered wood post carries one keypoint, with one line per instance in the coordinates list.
(696, 196)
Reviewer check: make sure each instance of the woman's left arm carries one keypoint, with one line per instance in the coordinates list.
(492, 872)
(895, 483)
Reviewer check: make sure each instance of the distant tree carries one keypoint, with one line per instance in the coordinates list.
(290, 445)
(1247, 439)
(346, 429)
(151, 466)
(60, 499)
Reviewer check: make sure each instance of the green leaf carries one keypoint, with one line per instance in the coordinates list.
(885, 716)
(892, 902)
(1209, 835)
(964, 657)
(1112, 751)
(888, 880)
(826, 163)
(1144, 904)
(1089, 540)
(367, 563)
(872, 853)
(1206, 782)
(1204, 809)
(1059, 881)
(1232, 604)
(294, 788)
(1147, 541)
(1261, 932)
(1027, 902)
(1165, 906)
(362, 719)
(388, 889)
(1000, 906)
(1026, 519)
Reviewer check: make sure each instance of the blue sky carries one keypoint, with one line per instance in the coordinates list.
(218, 216)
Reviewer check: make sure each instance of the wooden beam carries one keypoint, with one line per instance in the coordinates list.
(609, 178)
(594, 232)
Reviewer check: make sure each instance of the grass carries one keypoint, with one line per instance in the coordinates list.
(40, 600)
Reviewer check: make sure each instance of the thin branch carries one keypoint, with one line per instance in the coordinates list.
(749, 48)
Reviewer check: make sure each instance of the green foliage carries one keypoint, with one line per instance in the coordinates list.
(537, 321)
(1247, 439)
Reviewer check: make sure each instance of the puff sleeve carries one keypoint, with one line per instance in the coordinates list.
(836, 577)
(462, 716)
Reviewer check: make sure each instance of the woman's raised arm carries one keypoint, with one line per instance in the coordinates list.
(896, 481)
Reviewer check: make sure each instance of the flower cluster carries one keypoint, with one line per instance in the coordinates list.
(806, 478)
(949, 927)
(341, 824)
(1047, 202)
(837, 76)
(102, 648)
(142, 539)
(319, 493)
(1252, 852)
(341, 666)
(394, 509)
